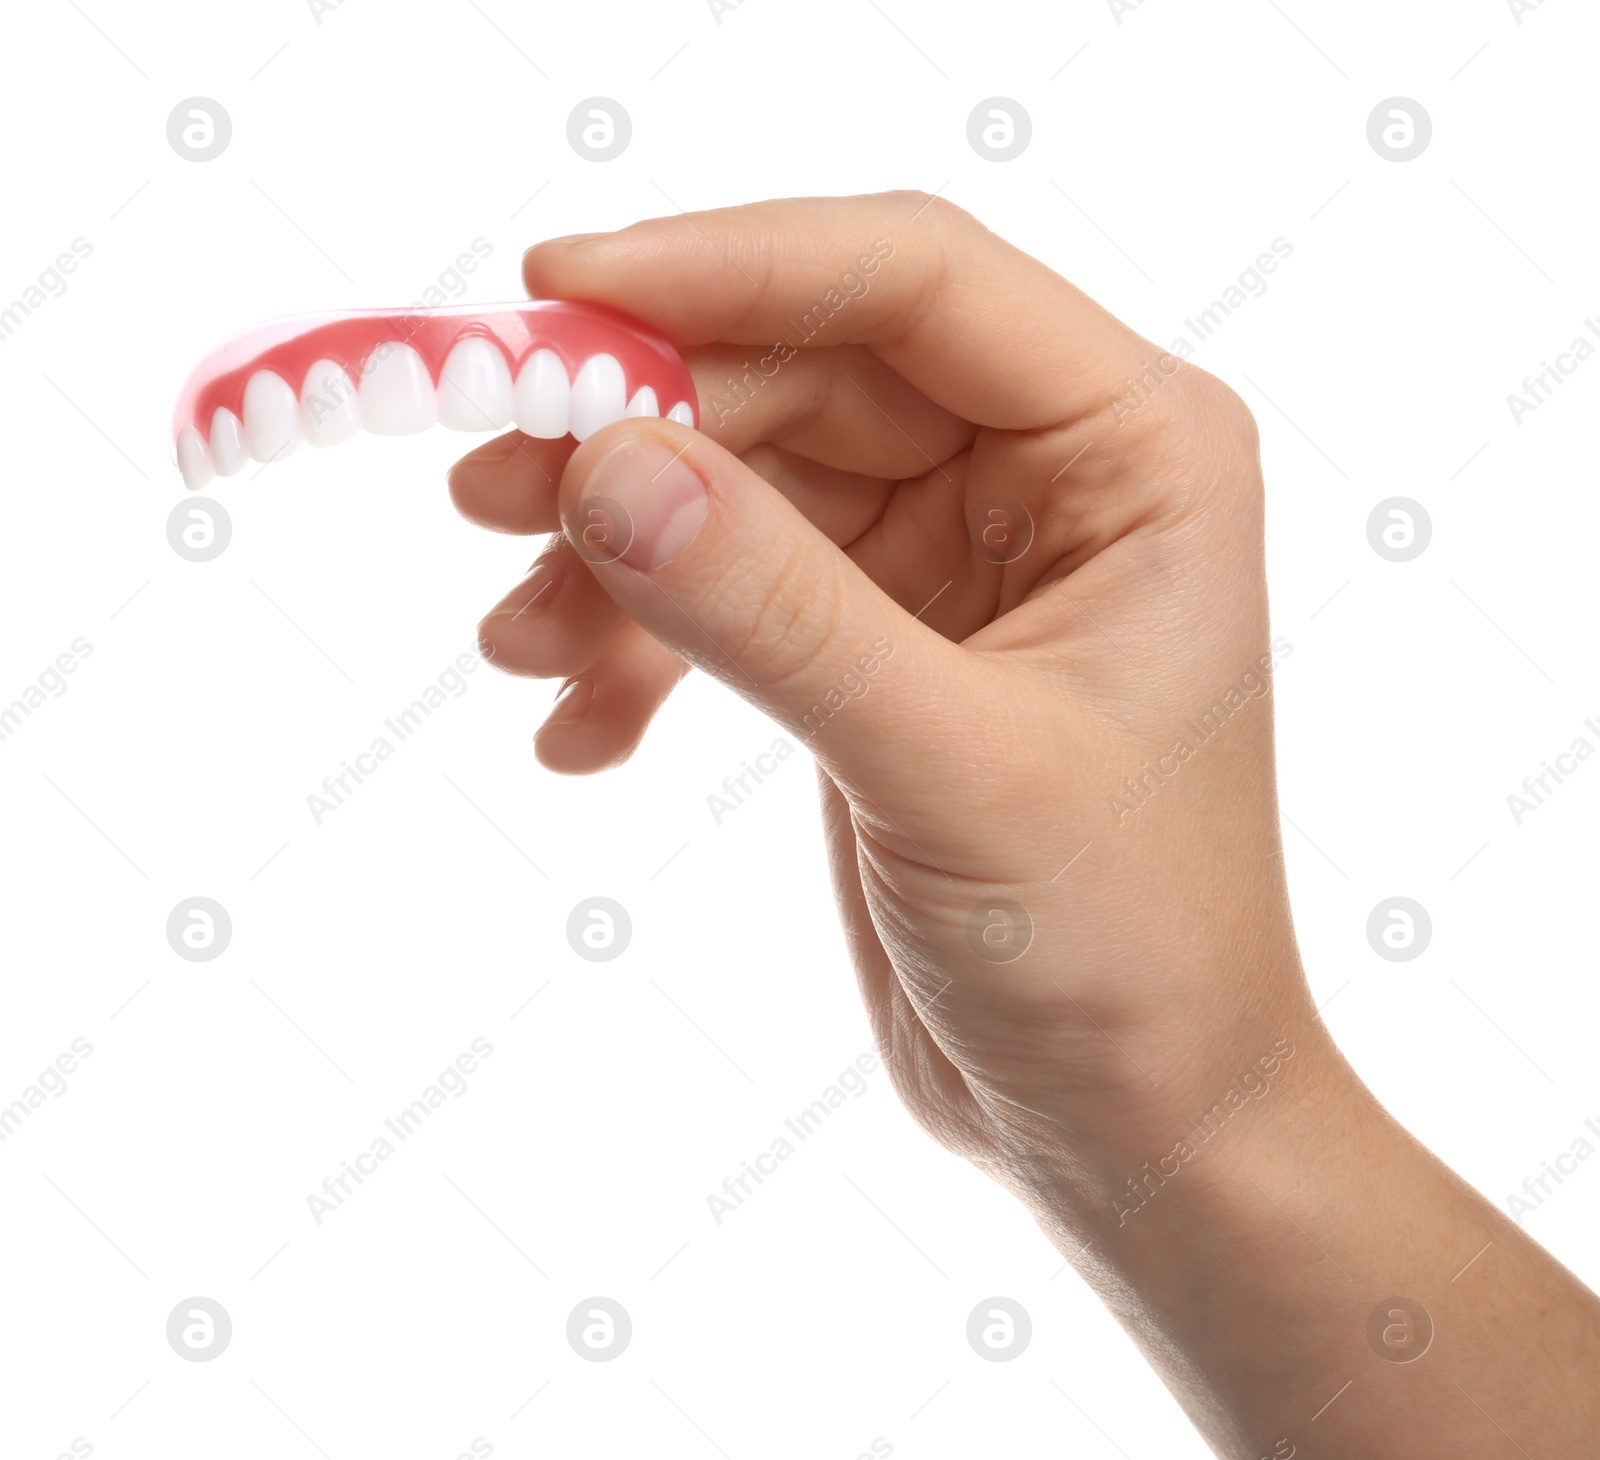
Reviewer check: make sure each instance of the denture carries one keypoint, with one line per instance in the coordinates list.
(551, 367)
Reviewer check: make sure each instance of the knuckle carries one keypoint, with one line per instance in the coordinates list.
(1229, 468)
(1200, 407)
(950, 215)
(792, 617)
(1226, 409)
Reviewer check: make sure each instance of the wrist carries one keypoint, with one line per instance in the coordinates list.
(1233, 1109)
(1307, 1245)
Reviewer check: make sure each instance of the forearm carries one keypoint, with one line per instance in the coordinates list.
(1256, 1271)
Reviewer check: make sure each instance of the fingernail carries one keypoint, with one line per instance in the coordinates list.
(642, 504)
(572, 703)
(491, 451)
(535, 593)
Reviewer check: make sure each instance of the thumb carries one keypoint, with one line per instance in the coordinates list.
(721, 567)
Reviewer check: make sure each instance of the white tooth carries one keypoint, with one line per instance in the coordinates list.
(681, 413)
(599, 396)
(643, 403)
(542, 396)
(194, 461)
(229, 450)
(396, 394)
(475, 387)
(271, 416)
(329, 412)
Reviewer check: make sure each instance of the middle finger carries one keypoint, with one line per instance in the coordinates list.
(842, 408)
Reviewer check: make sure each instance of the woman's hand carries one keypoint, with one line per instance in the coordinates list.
(997, 562)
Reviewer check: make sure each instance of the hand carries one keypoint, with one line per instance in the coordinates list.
(997, 562)
(988, 583)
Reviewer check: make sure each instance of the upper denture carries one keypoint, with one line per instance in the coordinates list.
(551, 367)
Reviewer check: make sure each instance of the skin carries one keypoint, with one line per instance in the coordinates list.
(1083, 1051)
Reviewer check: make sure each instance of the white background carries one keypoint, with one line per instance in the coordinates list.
(369, 150)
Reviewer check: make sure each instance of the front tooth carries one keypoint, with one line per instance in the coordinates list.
(329, 412)
(229, 450)
(194, 461)
(271, 416)
(542, 396)
(397, 396)
(643, 403)
(599, 396)
(681, 413)
(475, 387)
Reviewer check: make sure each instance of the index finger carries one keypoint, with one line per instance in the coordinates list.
(982, 328)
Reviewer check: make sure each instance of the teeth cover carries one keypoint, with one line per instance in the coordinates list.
(550, 367)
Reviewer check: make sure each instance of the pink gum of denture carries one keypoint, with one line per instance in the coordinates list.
(550, 367)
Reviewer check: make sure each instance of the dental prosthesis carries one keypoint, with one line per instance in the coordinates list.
(551, 367)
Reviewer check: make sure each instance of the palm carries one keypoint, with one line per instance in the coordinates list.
(1032, 549)
(956, 438)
